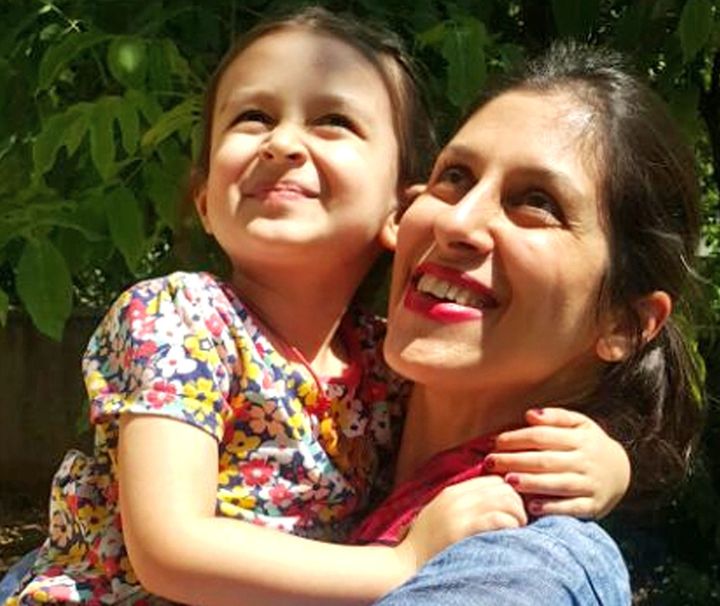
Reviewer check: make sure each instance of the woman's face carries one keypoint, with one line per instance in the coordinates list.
(499, 262)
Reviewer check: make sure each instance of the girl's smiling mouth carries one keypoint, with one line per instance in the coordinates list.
(284, 189)
(447, 295)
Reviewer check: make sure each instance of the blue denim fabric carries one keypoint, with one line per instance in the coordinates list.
(555, 561)
(11, 581)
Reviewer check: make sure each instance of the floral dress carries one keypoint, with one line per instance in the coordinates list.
(290, 457)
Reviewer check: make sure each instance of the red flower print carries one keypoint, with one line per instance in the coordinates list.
(280, 496)
(136, 310)
(214, 324)
(147, 349)
(256, 473)
(162, 393)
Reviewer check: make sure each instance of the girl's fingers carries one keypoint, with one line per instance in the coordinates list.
(542, 461)
(581, 507)
(559, 417)
(539, 437)
(562, 485)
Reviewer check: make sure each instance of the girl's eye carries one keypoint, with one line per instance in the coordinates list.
(337, 121)
(253, 115)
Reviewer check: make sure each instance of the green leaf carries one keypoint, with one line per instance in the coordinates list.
(158, 68)
(463, 49)
(166, 185)
(178, 64)
(575, 18)
(4, 307)
(127, 60)
(60, 130)
(144, 104)
(44, 286)
(183, 115)
(695, 27)
(129, 122)
(59, 55)
(433, 36)
(102, 145)
(125, 219)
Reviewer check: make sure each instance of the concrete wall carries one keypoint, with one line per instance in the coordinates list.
(41, 399)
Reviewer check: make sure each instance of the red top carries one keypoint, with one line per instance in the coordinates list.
(388, 523)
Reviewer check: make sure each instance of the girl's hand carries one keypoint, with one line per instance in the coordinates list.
(459, 511)
(564, 463)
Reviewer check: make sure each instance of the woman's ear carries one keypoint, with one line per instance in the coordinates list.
(200, 199)
(619, 339)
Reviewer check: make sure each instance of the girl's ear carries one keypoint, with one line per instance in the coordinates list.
(388, 235)
(200, 199)
(619, 339)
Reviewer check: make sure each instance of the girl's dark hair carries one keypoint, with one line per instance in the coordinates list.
(652, 401)
(383, 49)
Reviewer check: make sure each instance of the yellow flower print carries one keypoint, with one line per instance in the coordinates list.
(152, 306)
(201, 349)
(201, 395)
(93, 518)
(242, 443)
(76, 553)
(95, 382)
(127, 569)
(298, 423)
(233, 504)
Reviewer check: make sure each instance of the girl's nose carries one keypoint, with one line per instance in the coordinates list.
(284, 145)
(465, 228)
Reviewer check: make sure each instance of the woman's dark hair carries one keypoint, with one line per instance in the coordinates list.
(383, 49)
(652, 401)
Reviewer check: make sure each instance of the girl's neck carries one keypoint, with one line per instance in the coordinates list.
(300, 313)
(437, 420)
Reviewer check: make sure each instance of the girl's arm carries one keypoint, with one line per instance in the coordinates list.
(564, 463)
(182, 551)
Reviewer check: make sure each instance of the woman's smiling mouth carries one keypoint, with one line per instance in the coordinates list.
(447, 295)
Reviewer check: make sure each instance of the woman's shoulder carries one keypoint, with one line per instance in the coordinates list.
(554, 560)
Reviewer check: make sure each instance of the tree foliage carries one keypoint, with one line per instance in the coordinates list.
(100, 118)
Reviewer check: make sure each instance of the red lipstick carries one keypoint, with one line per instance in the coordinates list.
(447, 311)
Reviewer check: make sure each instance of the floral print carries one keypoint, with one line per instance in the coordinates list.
(291, 458)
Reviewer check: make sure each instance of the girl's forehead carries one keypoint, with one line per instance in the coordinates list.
(299, 48)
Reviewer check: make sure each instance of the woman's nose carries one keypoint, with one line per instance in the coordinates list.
(284, 144)
(466, 227)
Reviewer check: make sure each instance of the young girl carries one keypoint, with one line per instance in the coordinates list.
(226, 410)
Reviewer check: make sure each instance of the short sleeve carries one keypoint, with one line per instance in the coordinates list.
(556, 560)
(161, 350)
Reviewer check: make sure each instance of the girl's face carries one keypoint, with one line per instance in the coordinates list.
(500, 260)
(304, 158)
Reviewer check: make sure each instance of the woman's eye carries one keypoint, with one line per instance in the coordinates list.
(454, 175)
(541, 205)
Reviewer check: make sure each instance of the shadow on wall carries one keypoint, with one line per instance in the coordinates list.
(41, 401)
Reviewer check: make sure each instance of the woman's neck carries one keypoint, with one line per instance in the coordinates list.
(437, 420)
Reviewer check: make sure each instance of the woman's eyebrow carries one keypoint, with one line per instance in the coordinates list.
(460, 152)
(558, 181)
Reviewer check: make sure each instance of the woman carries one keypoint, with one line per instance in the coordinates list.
(542, 263)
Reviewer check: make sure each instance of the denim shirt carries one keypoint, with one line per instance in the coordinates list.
(554, 561)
